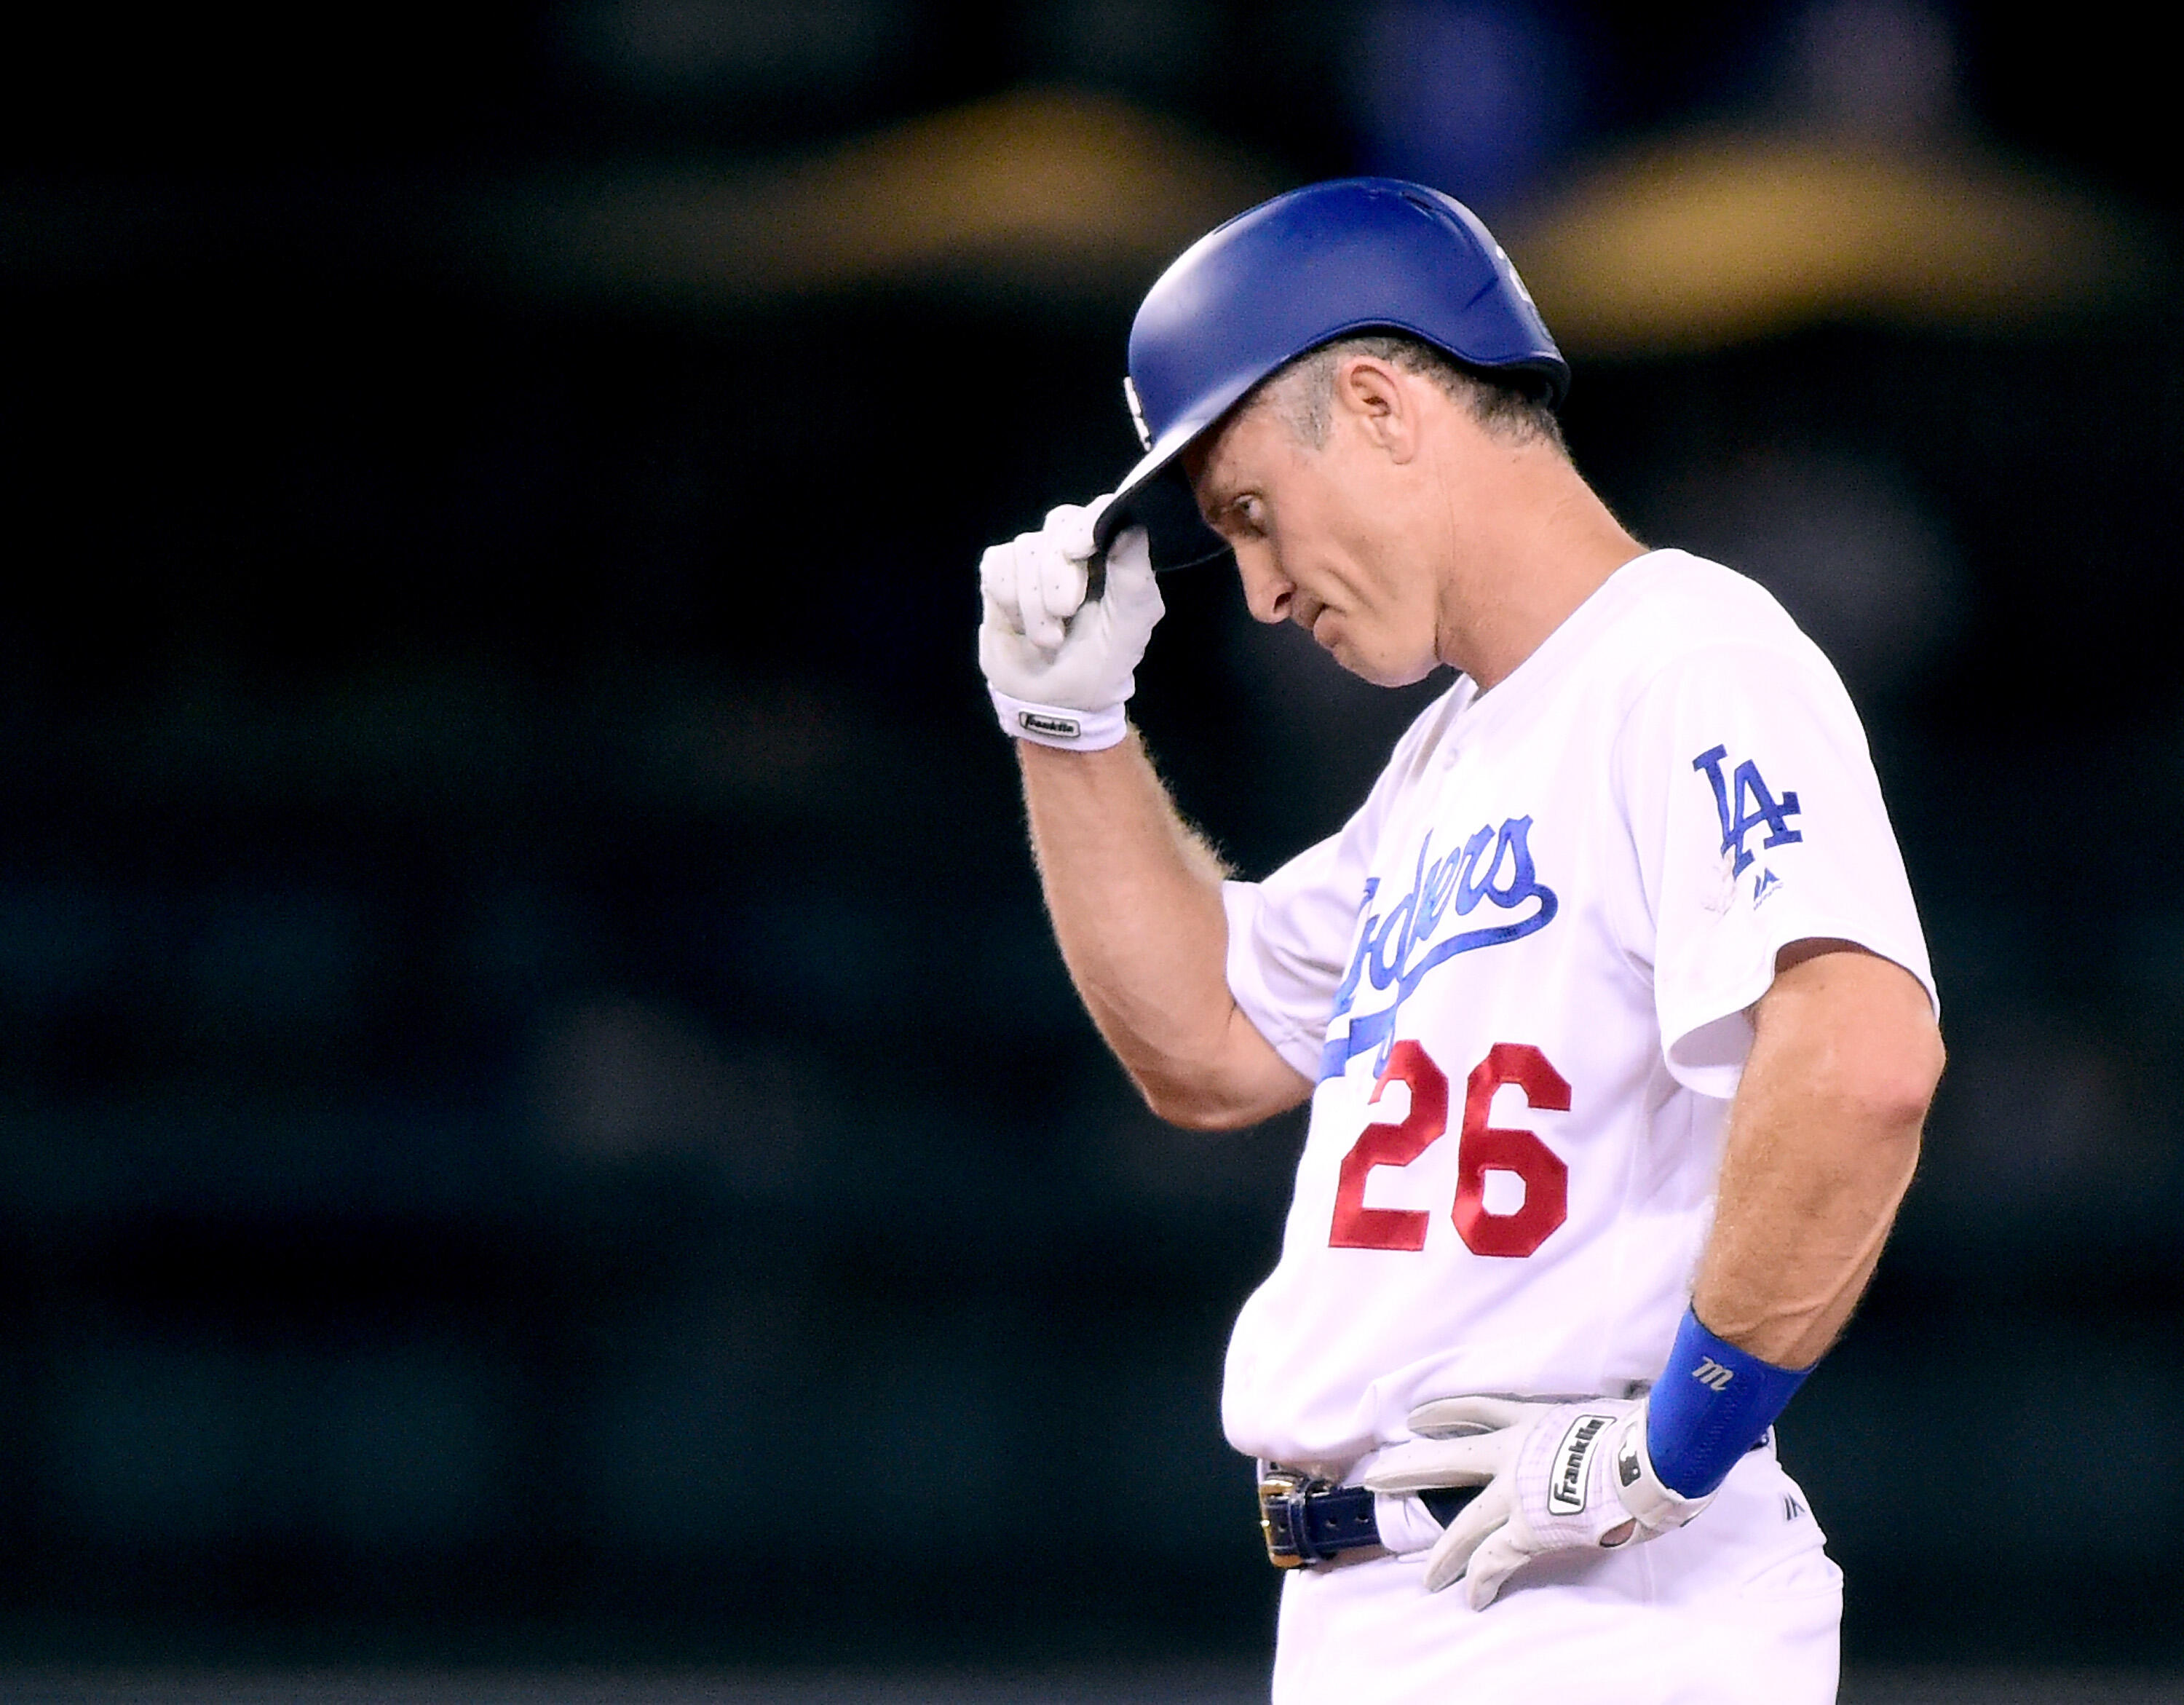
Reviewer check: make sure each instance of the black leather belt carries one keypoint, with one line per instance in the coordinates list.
(1307, 1520)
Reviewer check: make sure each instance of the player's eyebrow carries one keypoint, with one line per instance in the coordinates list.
(1215, 497)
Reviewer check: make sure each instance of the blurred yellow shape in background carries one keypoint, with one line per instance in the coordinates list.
(1717, 240)
(1050, 189)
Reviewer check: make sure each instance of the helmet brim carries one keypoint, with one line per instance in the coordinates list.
(1156, 494)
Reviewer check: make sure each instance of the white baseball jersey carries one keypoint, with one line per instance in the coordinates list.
(1520, 977)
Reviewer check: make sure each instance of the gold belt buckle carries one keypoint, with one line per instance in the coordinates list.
(1281, 1512)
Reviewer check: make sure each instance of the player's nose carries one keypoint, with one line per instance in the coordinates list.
(1268, 592)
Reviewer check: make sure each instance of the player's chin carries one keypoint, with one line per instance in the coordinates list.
(1381, 670)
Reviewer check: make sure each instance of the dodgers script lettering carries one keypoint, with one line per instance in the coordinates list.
(1397, 948)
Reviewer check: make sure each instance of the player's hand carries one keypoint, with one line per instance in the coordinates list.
(1554, 1477)
(1060, 668)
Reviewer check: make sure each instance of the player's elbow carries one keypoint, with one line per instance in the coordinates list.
(1243, 1083)
(1860, 1031)
(1219, 1077)
(1891, 1085)
(1197, 1103)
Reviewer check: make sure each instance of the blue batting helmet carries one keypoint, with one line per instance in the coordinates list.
(1355, 255)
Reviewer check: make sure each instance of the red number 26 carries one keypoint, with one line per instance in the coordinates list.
(1480, 1149)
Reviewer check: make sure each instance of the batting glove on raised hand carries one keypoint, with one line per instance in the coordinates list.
(1061, 669)
(1554, 1477)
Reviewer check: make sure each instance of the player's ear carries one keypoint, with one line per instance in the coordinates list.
(1372, 392)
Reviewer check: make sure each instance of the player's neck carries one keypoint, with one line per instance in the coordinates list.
(1532, 559)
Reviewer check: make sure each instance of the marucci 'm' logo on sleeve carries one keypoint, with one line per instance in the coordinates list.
(1743, 801)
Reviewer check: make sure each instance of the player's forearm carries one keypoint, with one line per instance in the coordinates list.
(1135, 900)
(1823, 1140)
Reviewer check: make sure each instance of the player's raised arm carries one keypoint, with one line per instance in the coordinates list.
(1135, 896)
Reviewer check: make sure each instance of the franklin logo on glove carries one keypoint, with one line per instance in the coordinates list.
(1567, 1495)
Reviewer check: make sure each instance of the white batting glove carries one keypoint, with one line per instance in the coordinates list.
(1060, 669)
(1555, 1477)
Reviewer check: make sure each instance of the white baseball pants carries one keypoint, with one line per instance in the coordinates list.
(1743, 1605)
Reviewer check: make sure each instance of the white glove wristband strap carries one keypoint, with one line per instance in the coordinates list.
(1658, 1507)
(1056, 725)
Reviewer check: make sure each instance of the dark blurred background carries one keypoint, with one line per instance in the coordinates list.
(539, 1118)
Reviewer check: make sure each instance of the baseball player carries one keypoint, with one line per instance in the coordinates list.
(1611, 1001)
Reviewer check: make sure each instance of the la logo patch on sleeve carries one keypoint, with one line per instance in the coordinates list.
(1744, 802)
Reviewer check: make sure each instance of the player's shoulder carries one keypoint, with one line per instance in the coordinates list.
(1686, 626)
(1675, 603)
(1674, 611)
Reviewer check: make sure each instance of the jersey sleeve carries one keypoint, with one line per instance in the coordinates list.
(1758, 822)
(1289, 939)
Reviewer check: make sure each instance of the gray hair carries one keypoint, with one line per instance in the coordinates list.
(1303, 391)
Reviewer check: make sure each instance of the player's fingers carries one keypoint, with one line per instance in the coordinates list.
(1131, 593)
(1487, 1514)
(1069, 527)
(997, 582)
(1131, 551)
(1450, 1417)
(1040, 625)
(1061, 581)
(1475, 1524)
(1427, 1463)
(1491, 1566)
(1130, 568)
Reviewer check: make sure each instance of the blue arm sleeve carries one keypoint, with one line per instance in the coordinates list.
(1709, 1407)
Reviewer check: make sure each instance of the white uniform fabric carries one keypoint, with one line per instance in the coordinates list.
(1743, 1605)
(1538, 939)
